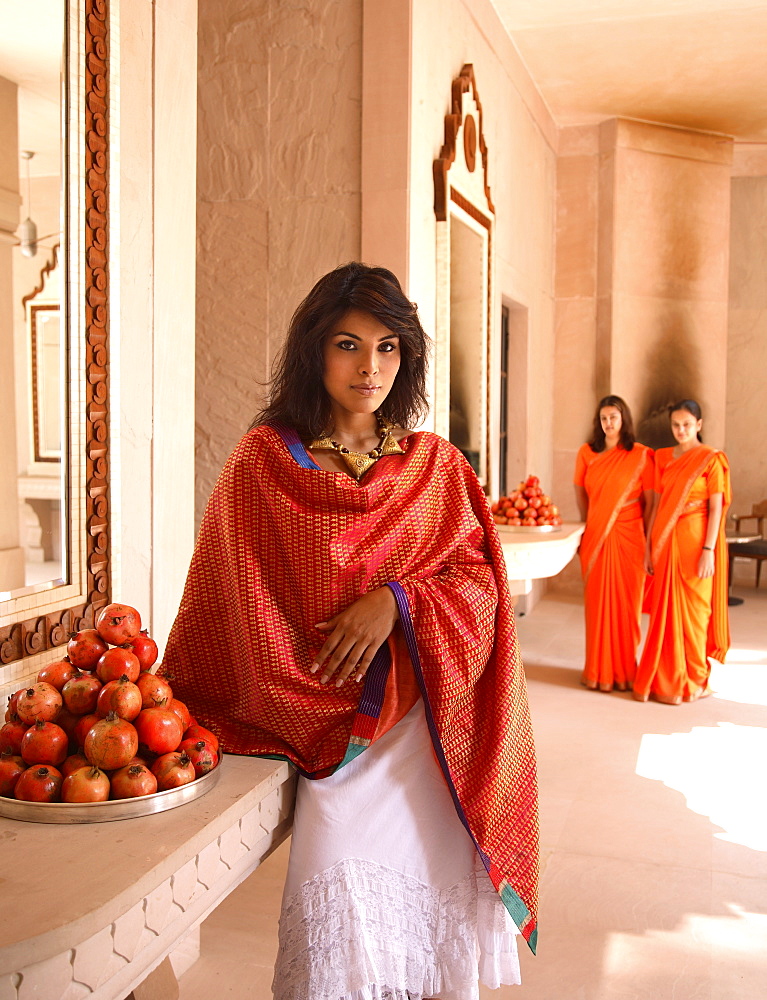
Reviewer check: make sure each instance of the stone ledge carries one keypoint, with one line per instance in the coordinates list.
(178, 871)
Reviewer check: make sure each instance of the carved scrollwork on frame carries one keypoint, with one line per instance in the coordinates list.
(96, 311)
(35, 635)
(474, 135)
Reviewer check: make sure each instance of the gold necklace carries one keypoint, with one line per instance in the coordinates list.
(357, 462)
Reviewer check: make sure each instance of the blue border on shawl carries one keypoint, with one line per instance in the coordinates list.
(295, 446)
(513, 903)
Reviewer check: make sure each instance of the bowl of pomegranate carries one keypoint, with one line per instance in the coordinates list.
(98, 736)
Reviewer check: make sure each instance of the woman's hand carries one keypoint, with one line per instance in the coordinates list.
(357, 633)
(706, 564)
(648, 566)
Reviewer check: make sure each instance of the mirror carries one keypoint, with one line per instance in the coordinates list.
(31, 479)
(54, 487)
(40, 410)
(464, 318)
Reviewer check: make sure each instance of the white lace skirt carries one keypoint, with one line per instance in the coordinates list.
(385, 896)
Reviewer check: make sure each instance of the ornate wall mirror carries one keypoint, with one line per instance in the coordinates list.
(54, 523)
(464, 335)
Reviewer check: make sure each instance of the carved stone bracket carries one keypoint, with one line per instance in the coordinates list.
(35, 635)
(463, 83)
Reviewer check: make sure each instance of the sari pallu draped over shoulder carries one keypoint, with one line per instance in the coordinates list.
(283, 546)
(610, 480)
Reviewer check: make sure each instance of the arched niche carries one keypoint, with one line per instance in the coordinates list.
(464, 332)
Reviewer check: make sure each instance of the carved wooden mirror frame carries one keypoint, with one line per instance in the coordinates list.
(43, 620)
(462, 198)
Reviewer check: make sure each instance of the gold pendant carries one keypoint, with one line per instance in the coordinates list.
(356, 462)
(391, 446)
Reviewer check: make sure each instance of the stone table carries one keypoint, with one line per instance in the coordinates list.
(532, 554)
(93, 910)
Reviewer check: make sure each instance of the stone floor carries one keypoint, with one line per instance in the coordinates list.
(653, 828)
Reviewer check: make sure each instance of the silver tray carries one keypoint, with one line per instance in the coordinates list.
(105, 812)
(534, 529)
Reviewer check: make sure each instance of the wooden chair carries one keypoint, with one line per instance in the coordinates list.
(751, 550)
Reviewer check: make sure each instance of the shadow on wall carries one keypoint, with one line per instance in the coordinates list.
(672, 372)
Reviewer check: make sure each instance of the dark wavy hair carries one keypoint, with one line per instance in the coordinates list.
(298, 396)
(690, 406)
(627, 436)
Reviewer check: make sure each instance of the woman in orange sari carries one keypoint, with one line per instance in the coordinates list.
(687, 556)
(613, 488)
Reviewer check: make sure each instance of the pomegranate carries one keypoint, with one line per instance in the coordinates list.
(132, 781)
(121, 697)
(11, 714)
(41, 701)
(67, 721)
(117, 623)
(57, 673)
(11, 766)
(110, 743)
(201, 754)
(117, 661)
(73, 762)
(145, 649)
(81, 693)
(86, 784)
(44, 743)
(159, 729)
(173, 770)
(85, 647)
(84, 724)
(155, 690)
(39, 784)
(144, 758)
(11, 735)
(198, 732)
(181, 711)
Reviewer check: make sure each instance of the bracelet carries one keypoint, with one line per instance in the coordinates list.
(709, 547)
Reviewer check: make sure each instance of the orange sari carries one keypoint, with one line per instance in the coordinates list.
(611, 554)
(688, 615)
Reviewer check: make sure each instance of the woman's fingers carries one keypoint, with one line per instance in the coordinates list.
(345, 657)
(357, 662)
(345, 652)
(357, 634)
(334, 650)
(706, 564)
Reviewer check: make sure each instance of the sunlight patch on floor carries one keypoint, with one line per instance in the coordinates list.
(736, 656)
(701, 938)
(714, 769)
(743, 678)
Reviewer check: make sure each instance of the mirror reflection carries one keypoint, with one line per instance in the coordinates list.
(32, 340)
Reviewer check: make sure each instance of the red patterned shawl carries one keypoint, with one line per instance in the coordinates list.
(284, 545)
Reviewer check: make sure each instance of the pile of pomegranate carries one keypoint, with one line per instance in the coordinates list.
(527, 506)
(99, 725)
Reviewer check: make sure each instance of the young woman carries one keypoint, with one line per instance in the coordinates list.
(687, 556)
(364, 631)
(613, 489)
